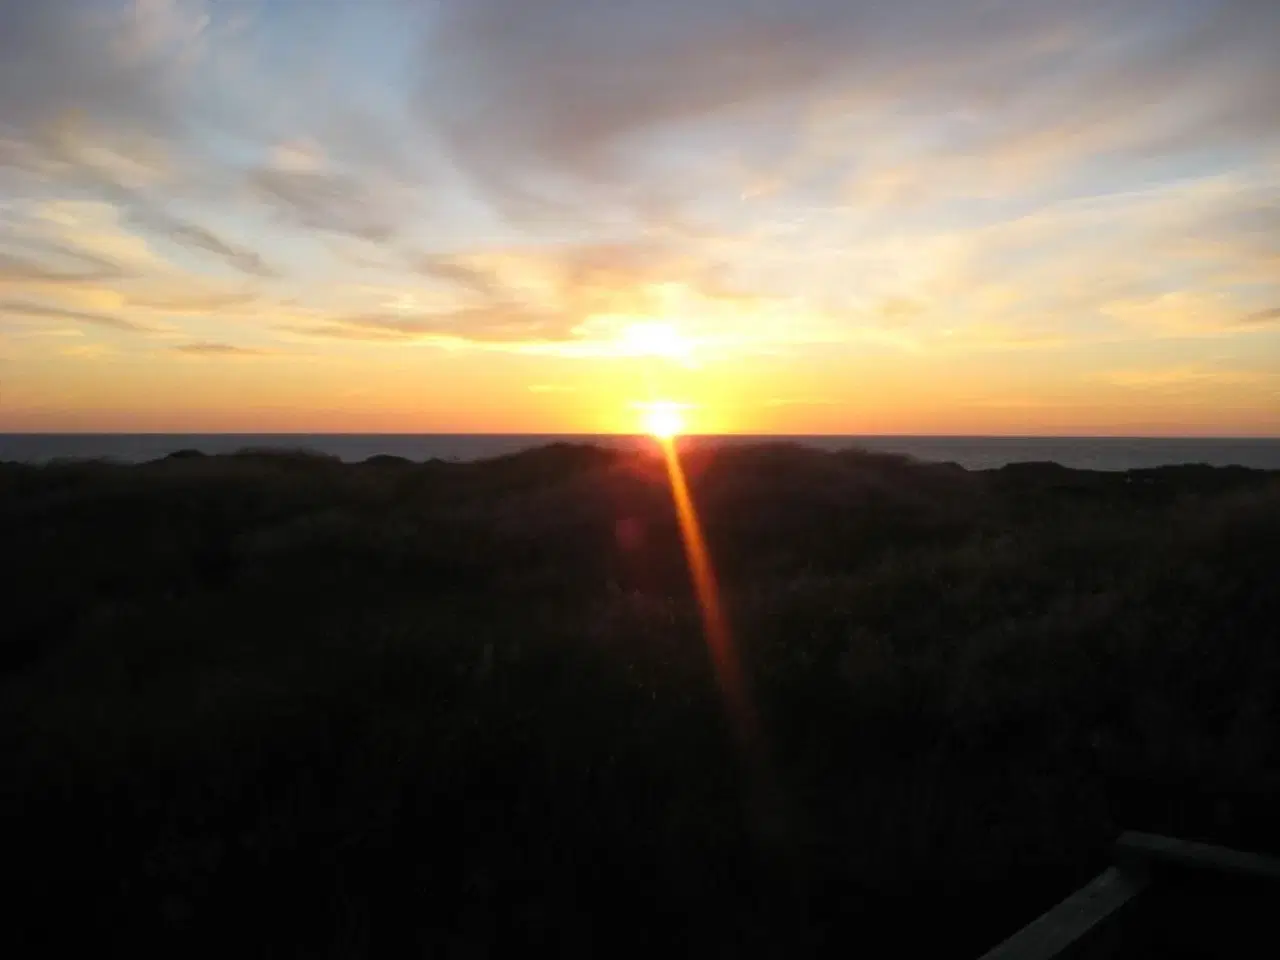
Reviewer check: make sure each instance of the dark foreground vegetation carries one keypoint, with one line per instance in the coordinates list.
(274, 705)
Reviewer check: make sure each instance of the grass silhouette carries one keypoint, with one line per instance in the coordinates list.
(281, 705)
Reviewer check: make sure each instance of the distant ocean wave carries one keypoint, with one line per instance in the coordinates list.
(975, 453)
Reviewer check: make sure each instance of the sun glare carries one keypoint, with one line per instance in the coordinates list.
(664, 420)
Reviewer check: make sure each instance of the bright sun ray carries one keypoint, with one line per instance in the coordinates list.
(665, 421)
(724, 657)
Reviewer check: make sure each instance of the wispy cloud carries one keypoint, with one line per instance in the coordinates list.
(474, 280)
(216, 350)
(801, 402)
(498, 323)
(1191, 313)
(14, 267)
(1184, 378)
(191, 302)
(39, 311)
(1263, 318)
(330, 201)
(195, 237)
(89, 351)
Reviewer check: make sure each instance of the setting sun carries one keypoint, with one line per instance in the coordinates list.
(664, 420)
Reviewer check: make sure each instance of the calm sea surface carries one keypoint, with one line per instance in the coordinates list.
(1095, 453)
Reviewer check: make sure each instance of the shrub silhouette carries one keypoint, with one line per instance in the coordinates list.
(273, 703)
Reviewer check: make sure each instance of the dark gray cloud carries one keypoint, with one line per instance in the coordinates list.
(564, 83)
(527, 92)
(1152, 80)
(40, 311)
(109, 66)
(570, 88)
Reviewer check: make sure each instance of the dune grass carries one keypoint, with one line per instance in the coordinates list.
(275, 704)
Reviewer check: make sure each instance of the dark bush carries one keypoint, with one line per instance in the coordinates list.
(273, 704)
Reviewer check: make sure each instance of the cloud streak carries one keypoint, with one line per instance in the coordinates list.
(216, 350)
(84, 269)
(41, 312)
(327, 201)
(203, 240)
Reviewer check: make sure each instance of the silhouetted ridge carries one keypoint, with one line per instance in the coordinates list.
(268, 703)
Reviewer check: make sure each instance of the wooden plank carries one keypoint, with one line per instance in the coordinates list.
(1155, 852)
(1068, 927)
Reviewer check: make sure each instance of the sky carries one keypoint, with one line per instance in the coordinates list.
(557, 216)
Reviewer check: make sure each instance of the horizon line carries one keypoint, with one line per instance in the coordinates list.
(600, 435)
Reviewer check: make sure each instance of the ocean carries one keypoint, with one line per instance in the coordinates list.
(975, 453)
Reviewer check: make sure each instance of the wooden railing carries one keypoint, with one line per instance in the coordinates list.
(1160, 897)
